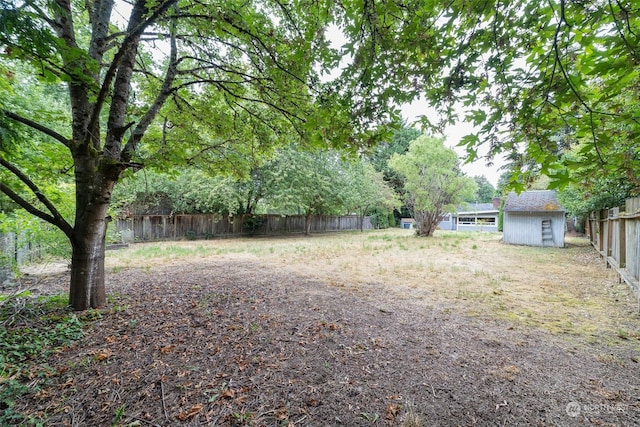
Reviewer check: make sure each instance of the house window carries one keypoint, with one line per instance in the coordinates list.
(472, 220)
(466, 220)
(487, 221)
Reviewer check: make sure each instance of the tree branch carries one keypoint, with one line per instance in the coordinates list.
(41, 14)
(55, 218)
(165, 91)
(37, 126)
(620, 32)
(567, 78)
(134, 31)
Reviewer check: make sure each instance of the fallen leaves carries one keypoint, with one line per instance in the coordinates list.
(102, 354)
(167, 348)
(244, 350)
(391, 412)
(195, 410)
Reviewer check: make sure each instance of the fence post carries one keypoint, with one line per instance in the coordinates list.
(604, 235)
(622, 242)
(7, 257)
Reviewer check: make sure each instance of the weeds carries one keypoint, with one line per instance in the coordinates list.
(242, 418)
(31, 329)
(118, 416)
(622, 334)
(372, 418)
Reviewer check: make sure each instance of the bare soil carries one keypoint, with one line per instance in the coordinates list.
(351, 330)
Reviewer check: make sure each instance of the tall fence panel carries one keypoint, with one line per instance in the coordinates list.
(173, 227)
(7, 257)
(16, 249)
(615, 234)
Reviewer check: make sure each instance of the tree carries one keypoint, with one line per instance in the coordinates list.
(173, 80)
(305, 183)
(379, 158)
(367, 191)
(485, 191)
(381, 153)
(503, 184)
(595, 192)
(434, 183)
(191, 191)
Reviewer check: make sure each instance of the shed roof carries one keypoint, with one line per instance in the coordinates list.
(532, 201)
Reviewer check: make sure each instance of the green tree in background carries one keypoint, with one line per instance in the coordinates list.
(503, 183)
(379, 158)
(434, 183)
(367, 191)
(308, 183)
(595, 192)
(381, 153)
(485, 192)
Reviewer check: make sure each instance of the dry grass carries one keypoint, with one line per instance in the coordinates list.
(561, 290)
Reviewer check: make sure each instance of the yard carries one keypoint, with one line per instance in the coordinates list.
(350, 329)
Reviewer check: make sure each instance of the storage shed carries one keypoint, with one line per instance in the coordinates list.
(533, 218)
(407, 223)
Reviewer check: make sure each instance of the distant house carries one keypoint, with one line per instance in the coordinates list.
(473, 217)
(533, 218)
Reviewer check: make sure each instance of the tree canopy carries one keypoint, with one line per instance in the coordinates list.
(485, 190)
(541, 78)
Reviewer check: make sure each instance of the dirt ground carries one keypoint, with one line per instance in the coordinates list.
(403, 332)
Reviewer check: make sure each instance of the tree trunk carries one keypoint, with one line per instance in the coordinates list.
(307, 224)
(87, 276)
(426, 223)
(87, 287)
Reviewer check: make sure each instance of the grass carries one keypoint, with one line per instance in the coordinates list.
(560, 290)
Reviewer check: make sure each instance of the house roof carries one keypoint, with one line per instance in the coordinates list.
(532, 201)
(477, 208)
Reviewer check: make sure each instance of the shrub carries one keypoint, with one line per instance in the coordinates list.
(252, 223)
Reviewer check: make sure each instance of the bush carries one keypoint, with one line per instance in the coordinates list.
(382, 219)
(252, 223)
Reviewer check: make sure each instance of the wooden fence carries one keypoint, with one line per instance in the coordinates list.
(173, 227)
(615, 233)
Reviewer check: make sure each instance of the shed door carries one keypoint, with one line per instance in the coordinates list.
(547, 233)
